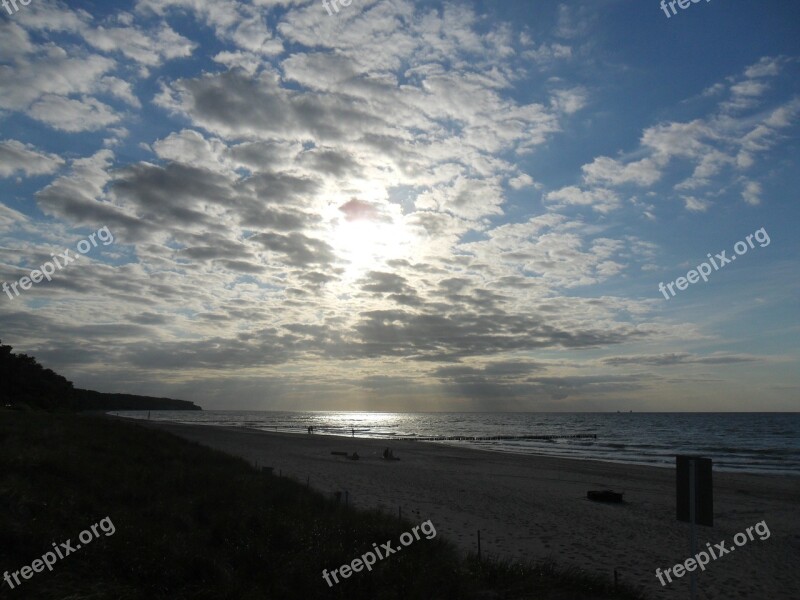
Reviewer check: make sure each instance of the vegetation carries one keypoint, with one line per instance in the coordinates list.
(90, 400)
(195, 523)
(24, 383)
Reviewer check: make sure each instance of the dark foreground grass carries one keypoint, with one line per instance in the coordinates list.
(195, 523)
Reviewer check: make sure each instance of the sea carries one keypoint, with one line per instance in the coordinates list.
(736, 442)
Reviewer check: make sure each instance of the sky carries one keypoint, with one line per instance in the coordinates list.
(405, 206)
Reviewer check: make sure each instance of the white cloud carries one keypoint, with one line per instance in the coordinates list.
(601, 200)
(150, 48)
(694, 204)
(86, 114)
(752, 193)
(608, 171)
(16, 157)
(521, 181)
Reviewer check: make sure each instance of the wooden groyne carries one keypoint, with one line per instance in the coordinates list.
(467, 438)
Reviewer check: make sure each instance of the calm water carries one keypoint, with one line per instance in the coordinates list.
(743, 442)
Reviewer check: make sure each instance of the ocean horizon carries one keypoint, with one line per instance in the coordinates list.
(766, 443)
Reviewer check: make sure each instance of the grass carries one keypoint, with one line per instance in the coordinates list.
(195, 523)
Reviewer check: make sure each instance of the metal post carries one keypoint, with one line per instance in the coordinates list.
(692, 528)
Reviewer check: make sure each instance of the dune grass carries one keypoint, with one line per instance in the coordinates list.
(195, 523)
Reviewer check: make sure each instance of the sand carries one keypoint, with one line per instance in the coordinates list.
(535, 507)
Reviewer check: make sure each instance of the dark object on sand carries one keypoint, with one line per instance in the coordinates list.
(388, 455)
(605, 496)
(339, 453)
(354, 456)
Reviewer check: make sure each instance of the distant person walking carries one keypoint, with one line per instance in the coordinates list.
(310, 429)
(354, 432)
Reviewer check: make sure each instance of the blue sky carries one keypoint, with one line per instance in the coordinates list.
(405, 206)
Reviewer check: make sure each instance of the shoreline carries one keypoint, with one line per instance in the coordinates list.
(504, 450)
(534, 506)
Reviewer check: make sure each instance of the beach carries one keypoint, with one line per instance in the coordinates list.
(535, 507)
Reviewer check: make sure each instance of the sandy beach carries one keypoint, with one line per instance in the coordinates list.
(532, 507)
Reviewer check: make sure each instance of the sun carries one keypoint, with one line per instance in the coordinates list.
(365, 245)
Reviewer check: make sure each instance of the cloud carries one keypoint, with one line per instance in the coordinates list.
(297, 250)
(351, 204)
(752, 193)
(150, 48)
(86, 114)
(16, 157)
(694, 204)
(513, 383)
(599, 199)
(77, 196)
(356, 210)
(720, 146)
(679, 358)
(606, 170)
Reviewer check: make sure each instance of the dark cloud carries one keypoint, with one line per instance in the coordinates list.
(336, 163)
(384, 283)
(149, 319)
(172, 195)
(235, 105)
(242, 266)
(268, 347)
(298, 250)
(679, 358)
(449, 337)
(503, 381)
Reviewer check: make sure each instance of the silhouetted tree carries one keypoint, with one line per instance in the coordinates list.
(23, 381)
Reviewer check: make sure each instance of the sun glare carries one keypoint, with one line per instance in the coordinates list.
(365, 244)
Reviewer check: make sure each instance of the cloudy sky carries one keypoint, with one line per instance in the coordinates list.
(406, 205)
